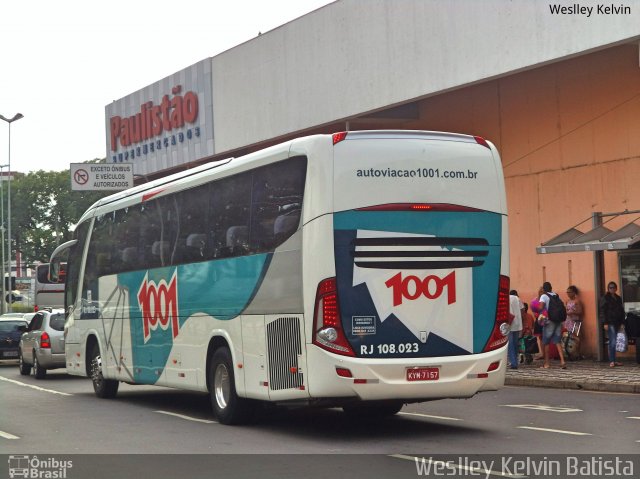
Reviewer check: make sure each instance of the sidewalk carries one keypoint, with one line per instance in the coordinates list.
(585, 374)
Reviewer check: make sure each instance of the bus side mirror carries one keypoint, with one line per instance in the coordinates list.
(58, 262)
(57, 271)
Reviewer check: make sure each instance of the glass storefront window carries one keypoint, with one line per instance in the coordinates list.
(630, 280)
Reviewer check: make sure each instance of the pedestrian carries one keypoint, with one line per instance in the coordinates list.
(611, 315)
(552, 329)
(528, 321)
(515, 308)
(537, 309)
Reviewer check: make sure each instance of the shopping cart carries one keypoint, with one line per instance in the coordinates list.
(571, 342)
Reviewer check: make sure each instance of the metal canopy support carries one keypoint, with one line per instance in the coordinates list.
(598, 286)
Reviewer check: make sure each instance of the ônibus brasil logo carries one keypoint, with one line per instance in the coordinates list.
(159, 305)
(431, 287)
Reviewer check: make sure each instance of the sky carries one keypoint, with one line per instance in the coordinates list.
(62, 62)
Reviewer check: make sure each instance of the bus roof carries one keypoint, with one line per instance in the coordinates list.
(140, 190)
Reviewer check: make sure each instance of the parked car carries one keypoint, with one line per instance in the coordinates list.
(11, 328)
(42, 344)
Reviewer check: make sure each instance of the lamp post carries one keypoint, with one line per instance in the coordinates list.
(4, 264)
(17, 116)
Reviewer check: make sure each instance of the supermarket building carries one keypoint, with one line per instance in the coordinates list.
(554, 85)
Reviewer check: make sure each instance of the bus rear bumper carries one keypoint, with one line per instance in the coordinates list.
(381, 379)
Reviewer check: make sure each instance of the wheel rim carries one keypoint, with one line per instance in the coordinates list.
(36, 366)
(96, 371)
(222, 386)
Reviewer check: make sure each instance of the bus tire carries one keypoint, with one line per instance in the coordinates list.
(227, 406)
(25, 369)
(38, 371)
(371, 409)
(104, 388)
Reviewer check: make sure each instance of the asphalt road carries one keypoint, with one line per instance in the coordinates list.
(60, 416)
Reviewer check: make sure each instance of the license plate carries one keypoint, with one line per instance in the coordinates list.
(423, 374)
(10, 354)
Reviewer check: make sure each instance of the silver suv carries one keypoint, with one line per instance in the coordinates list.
(42, 344)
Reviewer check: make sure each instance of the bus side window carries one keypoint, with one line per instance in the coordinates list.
(276, 203)
(285, 225)
(238, 240)
(150, 233)
(194, 248)
(192, 242)
(126, 237)
(229, 215)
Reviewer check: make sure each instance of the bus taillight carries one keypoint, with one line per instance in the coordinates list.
(421, 207)
(338, 137)
(500, 333)
(327, 330)
(481, 141)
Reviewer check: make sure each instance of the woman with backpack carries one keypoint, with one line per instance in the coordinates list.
(552, 330)
(611, 314)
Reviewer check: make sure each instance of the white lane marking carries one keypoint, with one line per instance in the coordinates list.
(37, 388)
(181, 416)
(558, 431)
(633, 417)
(6, 435)
(423, 463)
(429, 416)
(543, 407)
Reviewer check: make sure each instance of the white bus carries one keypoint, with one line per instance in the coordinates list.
(361, 270)
(47, 293)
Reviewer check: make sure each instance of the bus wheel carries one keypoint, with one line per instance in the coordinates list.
(38, 371)
(373, 409)
(104, 388)
(227, 406)
(25, 369)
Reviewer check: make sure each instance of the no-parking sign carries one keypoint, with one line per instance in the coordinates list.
(101, 176)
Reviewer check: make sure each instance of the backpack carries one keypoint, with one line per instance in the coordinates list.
(556, 310)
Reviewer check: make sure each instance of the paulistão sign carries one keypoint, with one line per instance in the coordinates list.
(163, 125)
(101, 176)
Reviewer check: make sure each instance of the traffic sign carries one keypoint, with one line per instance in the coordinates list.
(101, 176)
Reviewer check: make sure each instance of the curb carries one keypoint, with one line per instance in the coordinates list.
(573, 384)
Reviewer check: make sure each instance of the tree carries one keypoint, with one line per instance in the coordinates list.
(44, 211)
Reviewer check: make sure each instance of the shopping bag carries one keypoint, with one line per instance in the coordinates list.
(530, 345)
(621, 341)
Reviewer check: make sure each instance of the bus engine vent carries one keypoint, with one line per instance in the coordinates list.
(419, 252)
(284, 347)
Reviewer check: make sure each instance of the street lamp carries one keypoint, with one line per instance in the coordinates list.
(4, 264)
(17, 116)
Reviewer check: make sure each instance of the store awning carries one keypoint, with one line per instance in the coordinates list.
(599, 238)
